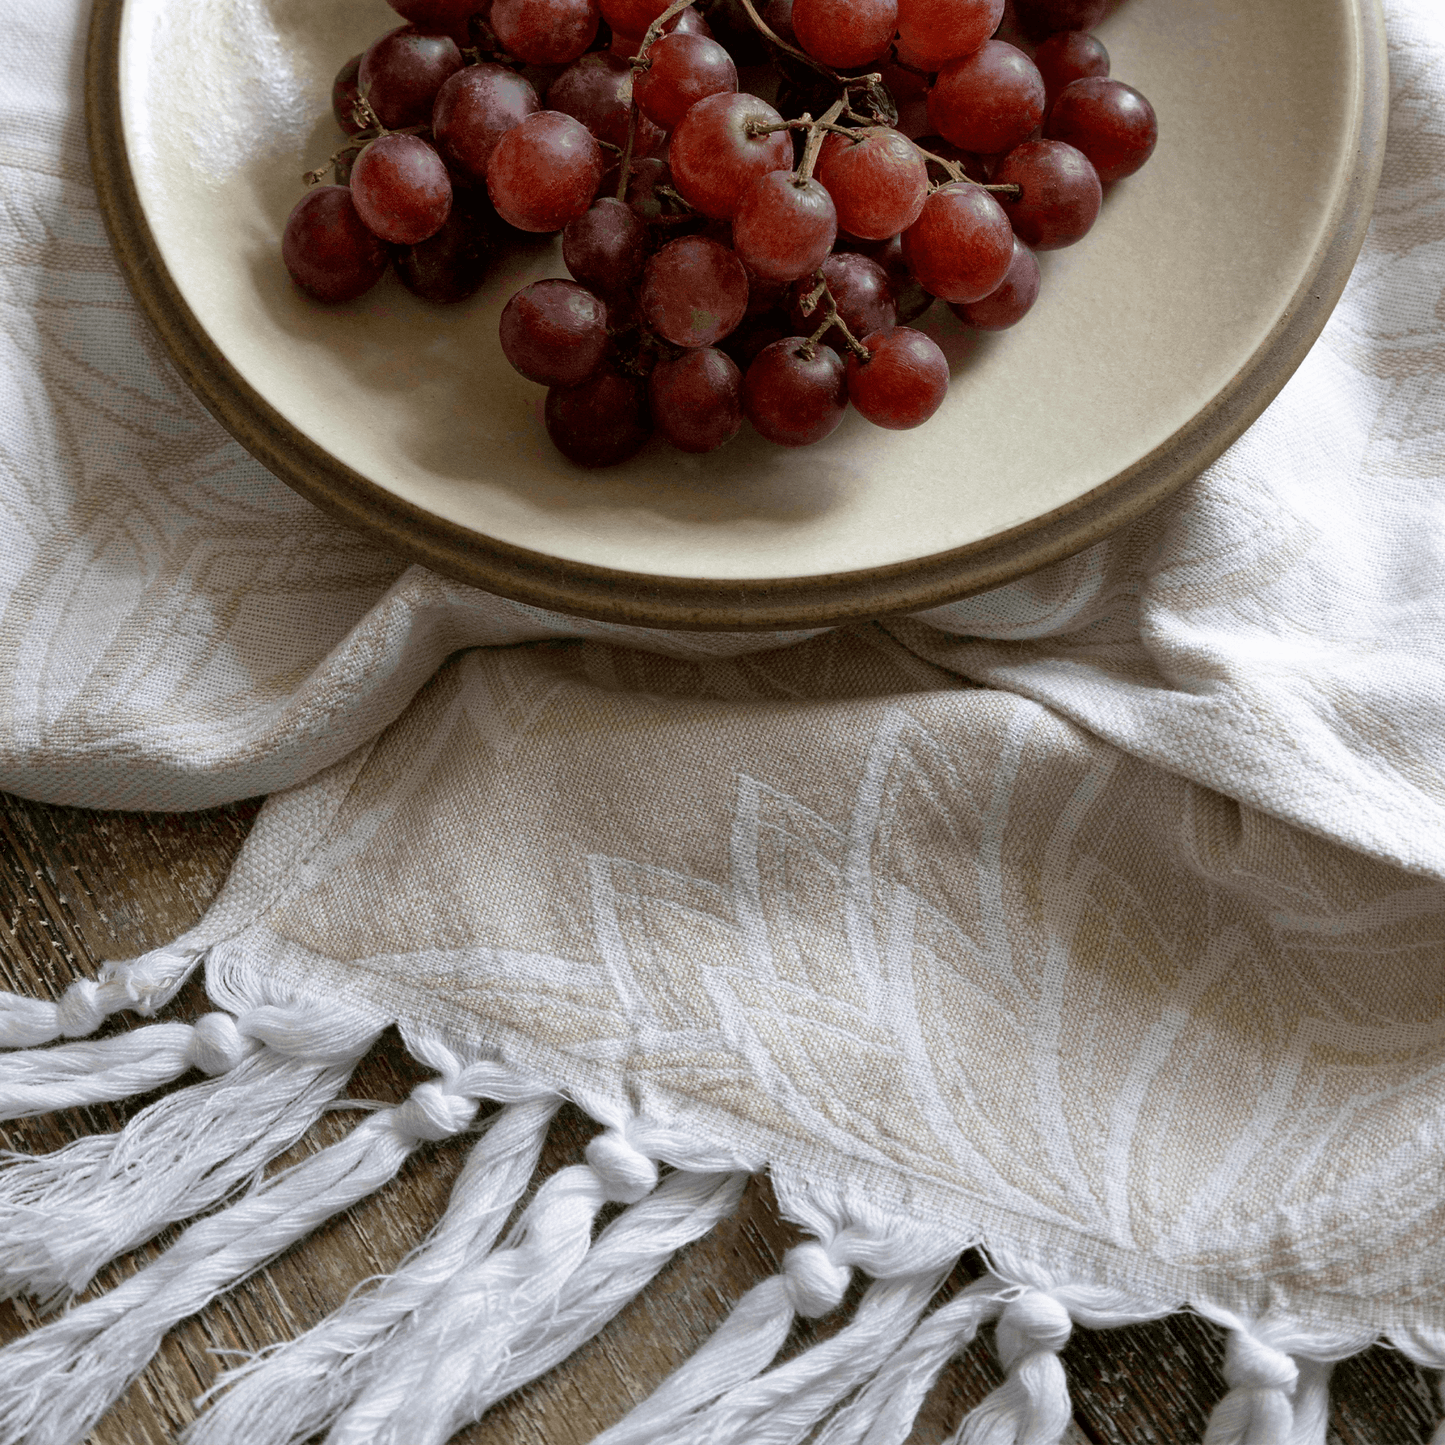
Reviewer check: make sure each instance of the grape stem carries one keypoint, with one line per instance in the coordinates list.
(763, 29)
(816, 131)
(626, 176)
(640, 60)
(804, 122)
(955, 173)
(831, 318)
(363, 115)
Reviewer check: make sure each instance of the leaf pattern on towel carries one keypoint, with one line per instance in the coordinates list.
(919, 933)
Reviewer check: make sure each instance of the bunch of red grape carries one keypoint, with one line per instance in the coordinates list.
(731, 258)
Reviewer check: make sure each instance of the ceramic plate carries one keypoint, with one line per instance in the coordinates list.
(1154, 343)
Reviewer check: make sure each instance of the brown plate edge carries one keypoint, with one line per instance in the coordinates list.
(643, 600)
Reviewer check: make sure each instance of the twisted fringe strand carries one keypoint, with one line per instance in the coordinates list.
(472, 1314)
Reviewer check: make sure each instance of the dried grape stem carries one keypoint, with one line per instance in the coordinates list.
(626, 176)
(363, 115)
(356, 145)
(831, 318)
(768, 34)
(640, 60)
(816, 131)
(760, 127)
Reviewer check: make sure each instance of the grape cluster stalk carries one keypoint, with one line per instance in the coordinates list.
(732, 258)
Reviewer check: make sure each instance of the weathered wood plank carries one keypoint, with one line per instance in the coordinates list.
(77, 887)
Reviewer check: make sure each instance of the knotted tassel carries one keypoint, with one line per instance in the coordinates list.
(784, 1406)
(628, 1254)
(884, 1411)
(450, 1362)
(626, 1257)
(145, 985)
(64, 1215)
(1038, 1313)
(39, 1081)
(57, 1382)
(812, 1284)
(1278, 1373)
(296, 1391)
(1032, 1406)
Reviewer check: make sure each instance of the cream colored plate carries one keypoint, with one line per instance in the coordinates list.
(1153, 342)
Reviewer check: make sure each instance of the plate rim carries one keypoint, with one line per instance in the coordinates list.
(702, 604)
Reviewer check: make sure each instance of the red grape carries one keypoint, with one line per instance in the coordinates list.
(401, 188)
(932, 32)
(1067, 56)
(599, 423)
(778, 16)
(1008, 303)
(961, 245)
(784, 226)
(697, 399)
(606, 247)
(912, 299)
(344, 90)
(904, 383)
(845, 33)
(683, 70)
(597, 90)
(545, 32)
(694, 291)
(793, 394)
(988, 101)
(753, 335)
(765, 294)
(685, 22)
(328, 249)
(555, 332)
(474, 110)
(648, 176)
(451, 265)
(632, 17)
(713, 158)
(544, 172)
(1061, 194)
(1041, 17)
(1109, 121)
(878, 181)
(401, 73)
(440, 17)
(861, 291)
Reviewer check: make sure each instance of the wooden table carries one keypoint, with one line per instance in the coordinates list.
(78, 887)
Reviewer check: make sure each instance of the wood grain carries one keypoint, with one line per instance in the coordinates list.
(78, 887)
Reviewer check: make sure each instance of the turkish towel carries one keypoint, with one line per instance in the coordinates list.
(1098, 920)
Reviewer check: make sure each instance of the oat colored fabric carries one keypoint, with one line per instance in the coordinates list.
(1105, 910)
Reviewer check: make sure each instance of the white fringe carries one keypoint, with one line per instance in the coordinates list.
(1277, 1370)
(445, 1371)
(722, 1394)
(39, 1081)
(628, 1254)
(1032, 1405)
(64, 1215)
(289, 1394)
(144, 985)
(884, 1411)
(783, 1406)
(57, 1382)
(464, 1321)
